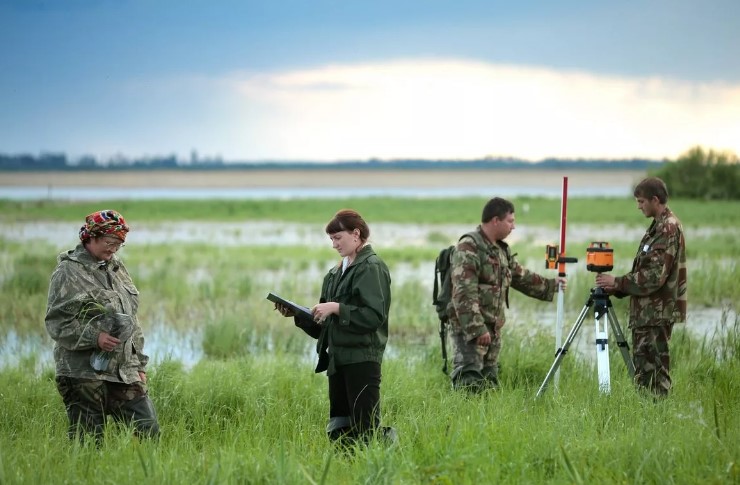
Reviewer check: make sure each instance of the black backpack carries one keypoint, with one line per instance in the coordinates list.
(442, 292)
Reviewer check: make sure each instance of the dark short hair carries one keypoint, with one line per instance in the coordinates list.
(652, 187)
(348, 220)
(496, 207)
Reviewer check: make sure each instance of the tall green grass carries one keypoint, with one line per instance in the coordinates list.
(260, 419)
(252, 410)
(204, 287)
(533, 210)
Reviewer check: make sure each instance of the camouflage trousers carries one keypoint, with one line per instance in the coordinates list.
(651, 358)
(89, 402)
(475, 366)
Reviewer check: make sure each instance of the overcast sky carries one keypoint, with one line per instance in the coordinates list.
(330, 80)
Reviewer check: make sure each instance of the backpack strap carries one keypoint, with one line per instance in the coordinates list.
(480, 244)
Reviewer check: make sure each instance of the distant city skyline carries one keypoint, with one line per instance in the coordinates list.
(327, 80)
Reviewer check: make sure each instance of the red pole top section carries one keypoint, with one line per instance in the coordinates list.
(563, 217)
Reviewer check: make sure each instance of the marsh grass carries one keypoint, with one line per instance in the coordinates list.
(536, 210)
(261, 419)
(252, 410)
(199, 286)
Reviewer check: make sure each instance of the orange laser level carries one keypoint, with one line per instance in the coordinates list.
(599, 257)
(553, 258)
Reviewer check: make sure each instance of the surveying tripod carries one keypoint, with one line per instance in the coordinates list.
(599, 299)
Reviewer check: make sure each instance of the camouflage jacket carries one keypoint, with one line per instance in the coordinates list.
(657, 282)
(360, 332)
(83, 293)
(481, 274)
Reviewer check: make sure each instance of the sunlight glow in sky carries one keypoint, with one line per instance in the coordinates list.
(253, 80)
(466, 109)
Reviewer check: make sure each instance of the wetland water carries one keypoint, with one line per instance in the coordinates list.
(285, 193)
(261, 233)
(164, 342)
(316, 183)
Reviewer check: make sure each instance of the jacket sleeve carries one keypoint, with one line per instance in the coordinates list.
(464, 271)
(67, 320)
(138, 338)
(529, 283)
(369, 300)
(311, 328)
(651, 268)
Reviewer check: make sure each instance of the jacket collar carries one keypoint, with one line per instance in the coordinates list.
(364, 253)
(492, 244)
(660, 219)
(82, 256)
(664, 215)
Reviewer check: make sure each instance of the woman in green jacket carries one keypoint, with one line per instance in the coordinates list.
(351, 325)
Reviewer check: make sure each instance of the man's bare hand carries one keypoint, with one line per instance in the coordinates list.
(562, 282)
(605, 281)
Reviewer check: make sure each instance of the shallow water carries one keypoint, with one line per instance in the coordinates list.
(286, 193)
(167, 343)
(269, 233)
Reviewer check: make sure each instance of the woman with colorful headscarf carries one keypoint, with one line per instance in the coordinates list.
(98, 351)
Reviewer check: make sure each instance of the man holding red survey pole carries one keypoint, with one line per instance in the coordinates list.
(482, 269)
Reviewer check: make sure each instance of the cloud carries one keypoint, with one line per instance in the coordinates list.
(449, 109)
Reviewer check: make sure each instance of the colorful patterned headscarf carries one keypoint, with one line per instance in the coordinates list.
(104, 223)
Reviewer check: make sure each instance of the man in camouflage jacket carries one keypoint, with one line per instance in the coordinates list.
(482, 270)
(656, 285)
(91, 314)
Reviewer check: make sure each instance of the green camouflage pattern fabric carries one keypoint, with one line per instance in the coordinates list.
(84, 294)
(657, 281)
(88, 402)
(482, 273)
(652, 359)
(475, 366)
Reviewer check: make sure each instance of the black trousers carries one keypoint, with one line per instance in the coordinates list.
(354, 401)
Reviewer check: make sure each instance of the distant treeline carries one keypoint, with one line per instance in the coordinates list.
(60, 161)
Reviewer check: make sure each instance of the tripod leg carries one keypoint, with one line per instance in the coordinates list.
(560, 353)
(559, 332)
(624, 347)
(602, 353)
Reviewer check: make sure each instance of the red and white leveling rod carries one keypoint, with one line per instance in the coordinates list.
(556, 258)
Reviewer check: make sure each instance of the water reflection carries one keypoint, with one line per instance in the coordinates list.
(165, 343)
(287, 193)
(270, 233)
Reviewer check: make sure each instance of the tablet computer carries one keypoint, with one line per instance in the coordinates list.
(298, 309)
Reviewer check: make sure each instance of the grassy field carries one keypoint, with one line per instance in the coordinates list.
(529, 211)
(252, 411)
(323, 176)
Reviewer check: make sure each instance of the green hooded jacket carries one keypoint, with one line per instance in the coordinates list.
(85, 296)
(360, 332)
